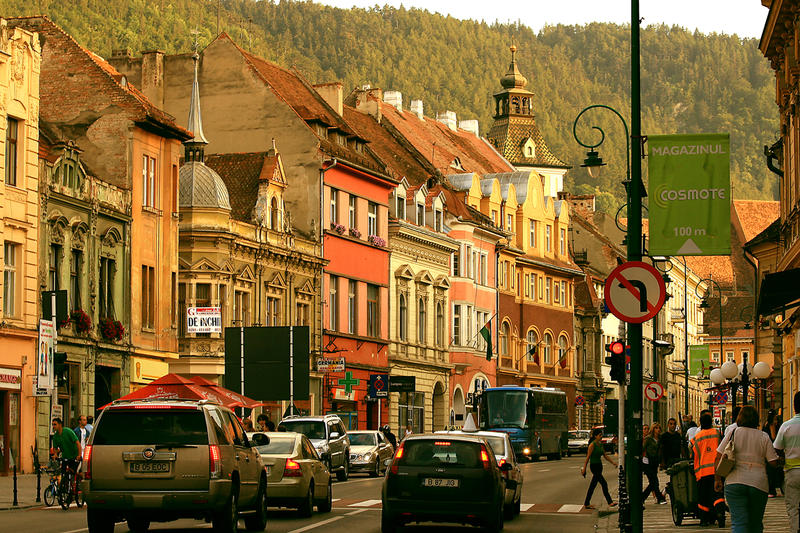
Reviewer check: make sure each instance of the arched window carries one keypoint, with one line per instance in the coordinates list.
(504, 335)
(515, 104)
(531, 340)
(562, 347)
(402, 326)
(274, 215)
(439, 324)
(526, 106)
(421, 321)
(547, 347)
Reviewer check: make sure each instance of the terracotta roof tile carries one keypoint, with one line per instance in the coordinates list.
(509, 135)
(132, 99)
(755, 215)
(242, 173)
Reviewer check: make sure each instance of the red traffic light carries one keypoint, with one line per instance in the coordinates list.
(617, 347)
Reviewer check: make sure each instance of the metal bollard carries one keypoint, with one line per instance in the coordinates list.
(16, 503)
(625, 525)
(38, 467)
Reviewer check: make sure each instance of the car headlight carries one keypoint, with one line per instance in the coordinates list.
(322, 448)
(526, 451)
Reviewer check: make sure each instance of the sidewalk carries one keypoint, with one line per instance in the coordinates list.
(26, 491)
(659, 517)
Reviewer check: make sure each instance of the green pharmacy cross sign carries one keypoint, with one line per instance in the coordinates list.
(349, 382)
(690, 194)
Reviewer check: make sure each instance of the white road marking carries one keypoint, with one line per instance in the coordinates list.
(570, 508)
(525, 506)
(365, 503)
(76, 530)
(316, 525)
(335, 499)
(544, 470)
(357, 511)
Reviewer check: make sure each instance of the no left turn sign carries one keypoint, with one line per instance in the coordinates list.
(654, 391)
(635, 292)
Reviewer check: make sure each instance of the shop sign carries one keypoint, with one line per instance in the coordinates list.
(10, 379)
(341, 395)
(44, 359)
(331, 365)
(203, 320)
(146, 370)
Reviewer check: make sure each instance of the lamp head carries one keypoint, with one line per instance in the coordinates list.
(761, 370)
(729, 370)
(593, 163)
(717, 378)
(704, 304)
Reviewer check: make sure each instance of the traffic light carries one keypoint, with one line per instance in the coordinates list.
(616, 360)
(60, 367)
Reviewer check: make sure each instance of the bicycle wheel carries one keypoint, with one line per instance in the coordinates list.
(50, 496)
(64, 494)
(78, 495)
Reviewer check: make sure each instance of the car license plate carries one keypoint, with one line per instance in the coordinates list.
(439, 482)
(149, 467)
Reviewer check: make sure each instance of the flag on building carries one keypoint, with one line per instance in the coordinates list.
(486, 333)
(533, 352)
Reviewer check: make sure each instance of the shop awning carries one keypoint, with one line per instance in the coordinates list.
(234, 397)
(779, 291)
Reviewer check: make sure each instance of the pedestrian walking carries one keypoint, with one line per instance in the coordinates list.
(594, 457)
(710, 502)
(774, 475)
(670, 447)
(408, 432)
(83, 430)
(746, 486)
(264, 423)
(247, 422)
(650, 460)
(787, 443)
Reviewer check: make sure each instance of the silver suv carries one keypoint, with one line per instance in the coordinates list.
(329, 436)
(163, 460)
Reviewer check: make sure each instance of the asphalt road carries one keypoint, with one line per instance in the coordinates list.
(552, 496)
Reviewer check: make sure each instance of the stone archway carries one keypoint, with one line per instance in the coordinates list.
(440, 418)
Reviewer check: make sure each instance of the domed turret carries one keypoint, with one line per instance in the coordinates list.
(513, 78)
(201, 186)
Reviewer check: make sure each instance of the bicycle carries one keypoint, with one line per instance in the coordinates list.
(69, 489)
(51, 491)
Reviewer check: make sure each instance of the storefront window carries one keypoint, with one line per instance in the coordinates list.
(411, 412)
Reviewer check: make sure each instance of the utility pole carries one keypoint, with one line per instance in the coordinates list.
(634, 403)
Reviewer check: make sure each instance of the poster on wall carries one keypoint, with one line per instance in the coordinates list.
(44, 358)
(698, 358)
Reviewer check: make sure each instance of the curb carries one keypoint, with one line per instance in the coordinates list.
(9, 507)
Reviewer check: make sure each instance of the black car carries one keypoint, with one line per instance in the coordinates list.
(443, 478)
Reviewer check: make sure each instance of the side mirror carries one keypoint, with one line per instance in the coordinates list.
(335, 435)
(387, 462)
(259, 439)
(506, 467)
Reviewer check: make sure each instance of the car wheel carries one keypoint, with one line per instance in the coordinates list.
(518, 506)
(226, 520)
(99, 521)
(508, 511)
(307, 504)
(325, 506)
(377, 471)
(497, 522)
(387, 523)
(569, 453)
(258, 520)
(344, 473)
(138, 525)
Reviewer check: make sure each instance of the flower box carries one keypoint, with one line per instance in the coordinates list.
(111, 329)
(355, 233)
(82, 321)
(338, 228)
(377, 241)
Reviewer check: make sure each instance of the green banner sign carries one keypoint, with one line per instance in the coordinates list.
(690, 194)
(698, 354)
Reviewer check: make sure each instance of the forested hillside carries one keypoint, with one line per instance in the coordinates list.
(691, 82)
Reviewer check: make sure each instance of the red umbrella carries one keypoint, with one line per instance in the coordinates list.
(175, 387)
(238, 400)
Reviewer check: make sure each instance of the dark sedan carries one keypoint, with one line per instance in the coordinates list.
(443, 478)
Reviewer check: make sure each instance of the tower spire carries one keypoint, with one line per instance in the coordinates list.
(195, 147)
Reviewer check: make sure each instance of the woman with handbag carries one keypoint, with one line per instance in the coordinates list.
(746, 484)
(650, 463)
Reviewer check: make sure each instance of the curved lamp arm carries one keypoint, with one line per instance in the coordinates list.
(603, 135)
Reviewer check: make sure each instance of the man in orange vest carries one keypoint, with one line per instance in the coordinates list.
(710, 503)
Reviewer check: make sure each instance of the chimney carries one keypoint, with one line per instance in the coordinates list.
(368, 101)
(153, 77)
(394, 98)
(332, 93)
(416, 108)
(470, 126)
(448, 118)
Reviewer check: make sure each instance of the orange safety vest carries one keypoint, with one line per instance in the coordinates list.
(705, 445)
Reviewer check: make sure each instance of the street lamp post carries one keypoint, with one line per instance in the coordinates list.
(635, 191)
(704, 305)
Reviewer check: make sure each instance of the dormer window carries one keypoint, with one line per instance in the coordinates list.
(437, 220)
(456, 163)
(341, 139)
(322, 130)
(400, 207)
(529, 148)
(421, 214)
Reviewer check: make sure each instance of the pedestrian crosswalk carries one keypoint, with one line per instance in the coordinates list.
(525, 507)
(659, 518)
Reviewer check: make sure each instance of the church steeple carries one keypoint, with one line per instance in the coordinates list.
(513, 78)
(513, 98)
(195, 149)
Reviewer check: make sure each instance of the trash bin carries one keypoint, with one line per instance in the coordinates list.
(682, 491)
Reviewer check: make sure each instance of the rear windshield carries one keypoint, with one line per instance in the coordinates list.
(143, 427)
(310, 428)
(277, 446)
(579, 434)
(362, 439)
(441, 453)
(497, 444)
